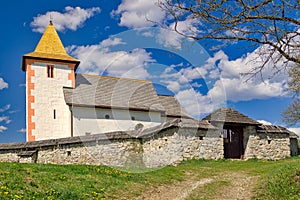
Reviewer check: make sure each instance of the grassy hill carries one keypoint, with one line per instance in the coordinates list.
(273, 180)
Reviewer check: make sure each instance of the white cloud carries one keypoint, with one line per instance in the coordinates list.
(137, 13)
(111, 42)
(295, 130)
(5, 108)
(5, 119)
(174, 86)
(22, 130)
(197, 104)
(238, 90)
(264, 122)
(239, 87)
(2, 128)
(3, 84)
(183, 79)
(72, 18)
(192, 73)
(97, 59)
(228, 82)
(169, 38)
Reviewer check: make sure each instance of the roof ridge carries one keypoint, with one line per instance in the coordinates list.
(230, 115)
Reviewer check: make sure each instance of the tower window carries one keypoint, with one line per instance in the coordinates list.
(54, 114)
(50, 71)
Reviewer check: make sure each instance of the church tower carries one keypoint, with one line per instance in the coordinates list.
(48, 69)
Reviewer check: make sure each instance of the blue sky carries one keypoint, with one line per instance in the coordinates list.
(113, 38)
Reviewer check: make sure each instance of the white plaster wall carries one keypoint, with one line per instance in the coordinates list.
(93, 121)
(48, 95)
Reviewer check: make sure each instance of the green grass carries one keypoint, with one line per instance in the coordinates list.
(278, 179)
(282, 183)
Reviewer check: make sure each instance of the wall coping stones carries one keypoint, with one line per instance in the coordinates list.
(118, 135)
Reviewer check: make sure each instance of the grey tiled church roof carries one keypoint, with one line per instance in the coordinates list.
(230, 115)
(173, 107)
(111, 92)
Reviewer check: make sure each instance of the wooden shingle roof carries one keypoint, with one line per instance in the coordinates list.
(111, 92)
(275, 129)
(173, 107)
(230, 115)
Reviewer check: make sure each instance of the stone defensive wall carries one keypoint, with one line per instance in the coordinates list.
(167, 144)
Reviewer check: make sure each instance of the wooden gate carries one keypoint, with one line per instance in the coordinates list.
(233, 142)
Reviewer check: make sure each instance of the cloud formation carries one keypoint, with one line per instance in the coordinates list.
(99, 59)
(5, 119)
(137, 13)
(264, 122)
(22, 130)
(226, 80)
(295, 130)
(5, 108)
(3, 84)
(72, 18)
(239, 87)
(2, 128)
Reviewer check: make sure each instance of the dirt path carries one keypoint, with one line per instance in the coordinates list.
(239, 188)
(176, 191)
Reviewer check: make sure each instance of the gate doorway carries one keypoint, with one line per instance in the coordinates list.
(233, 142)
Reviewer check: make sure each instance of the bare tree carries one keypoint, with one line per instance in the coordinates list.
(273, 23)
(291, 115)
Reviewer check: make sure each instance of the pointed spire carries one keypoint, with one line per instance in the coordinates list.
(50, 42)
(50, 47)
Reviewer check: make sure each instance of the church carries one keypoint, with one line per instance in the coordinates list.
(61, 103)
(76, 118)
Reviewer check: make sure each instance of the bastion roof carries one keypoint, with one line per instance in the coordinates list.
(230, 115)
(275, 129)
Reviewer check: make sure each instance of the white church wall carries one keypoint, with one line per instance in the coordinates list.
(51, 114)
(98, 120)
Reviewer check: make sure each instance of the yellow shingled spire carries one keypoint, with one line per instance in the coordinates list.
(50, 42)
(50, 47)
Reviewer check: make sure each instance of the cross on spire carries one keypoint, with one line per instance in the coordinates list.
(51, 18)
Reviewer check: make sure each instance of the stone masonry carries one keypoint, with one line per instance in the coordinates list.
(164, 145)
